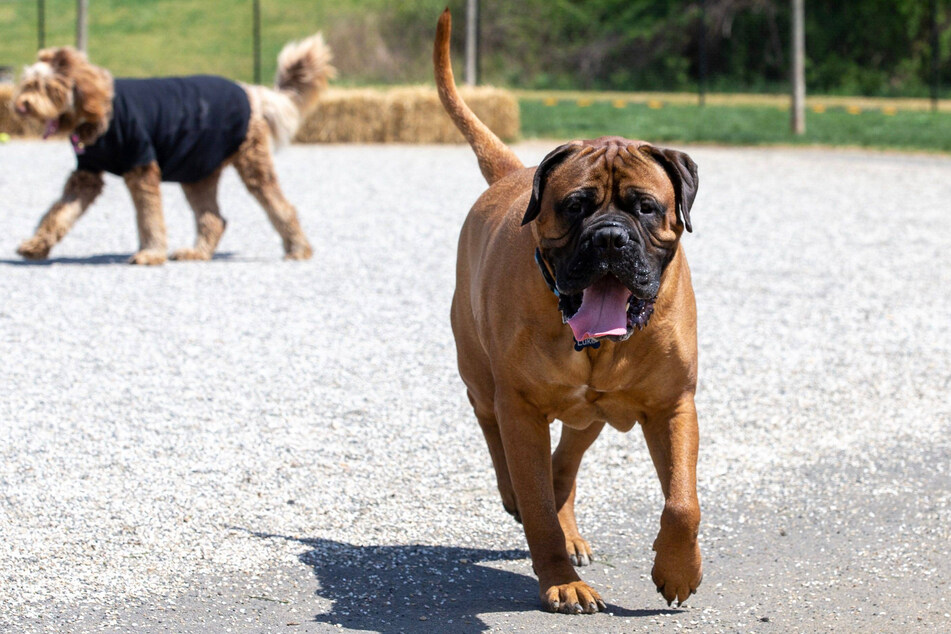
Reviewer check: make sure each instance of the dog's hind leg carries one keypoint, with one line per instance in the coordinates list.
(143, 183)
(80, 191)
(256, 168)
(565, 463)
(490, 429)
(202, 196)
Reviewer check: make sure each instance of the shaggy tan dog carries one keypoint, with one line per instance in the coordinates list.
(133, 128)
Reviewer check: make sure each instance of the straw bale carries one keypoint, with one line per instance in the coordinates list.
(404, 115)
(417, 116)
(346, 116)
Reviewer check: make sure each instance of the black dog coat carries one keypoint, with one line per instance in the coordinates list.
(188, 125)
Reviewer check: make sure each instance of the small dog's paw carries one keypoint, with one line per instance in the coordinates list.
(190, 254)
(579, 550)
(677, 569)
(299, 252)
(576, 597)
(148, 257)
(36, 248)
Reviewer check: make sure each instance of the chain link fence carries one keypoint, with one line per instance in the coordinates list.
(872, 48)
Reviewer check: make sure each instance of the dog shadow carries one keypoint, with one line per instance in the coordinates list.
(94, 260)
(419, 588)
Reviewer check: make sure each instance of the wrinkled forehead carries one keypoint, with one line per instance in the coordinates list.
(614, 165)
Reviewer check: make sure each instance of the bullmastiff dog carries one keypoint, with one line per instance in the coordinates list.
(573, 302)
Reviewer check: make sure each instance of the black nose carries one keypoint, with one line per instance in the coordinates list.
(611, 238)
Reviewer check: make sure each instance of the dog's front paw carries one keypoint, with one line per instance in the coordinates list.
(190, 254)
(148, 257)
(36, 248)
(677, 568)
(576, 597)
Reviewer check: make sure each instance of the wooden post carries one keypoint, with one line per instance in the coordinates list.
(82, 24)
(472, 42)
(798, 110)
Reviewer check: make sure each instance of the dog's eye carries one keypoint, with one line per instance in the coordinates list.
(575, 205)
(646, 206)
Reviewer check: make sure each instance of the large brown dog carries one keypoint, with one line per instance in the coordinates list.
(589, 238)
(184, 130)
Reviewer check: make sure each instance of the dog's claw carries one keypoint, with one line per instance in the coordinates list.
(575, 597)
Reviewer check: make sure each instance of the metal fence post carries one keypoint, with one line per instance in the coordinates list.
(472, 42)
(82, 26)
(702, 84)
(798, 110)
(257, 41)
(935, 57)
(41, 23)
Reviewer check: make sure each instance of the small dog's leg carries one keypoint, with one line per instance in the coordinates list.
(80, 191)
(202, 196)
(672, 439)
(527, 442)
(565, 463)
(256, 168)
(143, 183)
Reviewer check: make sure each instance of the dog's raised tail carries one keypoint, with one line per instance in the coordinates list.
(303, 70)
(495, 158)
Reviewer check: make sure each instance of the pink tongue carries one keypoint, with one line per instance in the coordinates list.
(51, 126)
(603, 310)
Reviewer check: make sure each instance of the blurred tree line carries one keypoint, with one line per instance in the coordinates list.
(868, 47)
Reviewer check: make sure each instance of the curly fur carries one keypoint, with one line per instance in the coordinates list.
(69, 95)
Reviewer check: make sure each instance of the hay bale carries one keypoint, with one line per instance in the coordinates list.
(417, 116)
(346, 116)
(404, 115)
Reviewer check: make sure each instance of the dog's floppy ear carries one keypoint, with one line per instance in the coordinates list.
(682, 172)
(554, 158)
(61, 58)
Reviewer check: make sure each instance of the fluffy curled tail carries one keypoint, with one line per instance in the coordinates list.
(495, 158)
(303, 70)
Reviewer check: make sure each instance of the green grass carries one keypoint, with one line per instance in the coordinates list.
(737, 125)
(141, 38)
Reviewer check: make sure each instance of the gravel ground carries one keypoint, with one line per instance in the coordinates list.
(257, 445)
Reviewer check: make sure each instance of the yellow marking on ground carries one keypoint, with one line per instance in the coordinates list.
(890, 111)
(654, 104)
(854, 110)
(550, 101)
(619, 103)
(819, 108)
(584, 103)
(734, 99)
